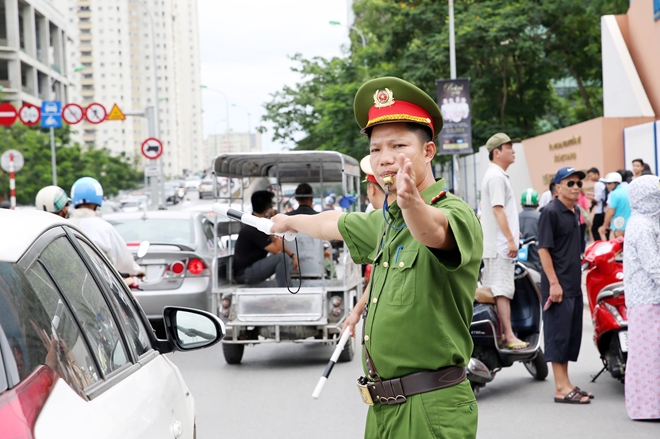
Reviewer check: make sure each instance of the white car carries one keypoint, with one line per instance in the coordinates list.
(131, 205)
(78, 358)
(192, 183)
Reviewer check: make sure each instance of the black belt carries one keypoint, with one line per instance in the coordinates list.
(396, 390)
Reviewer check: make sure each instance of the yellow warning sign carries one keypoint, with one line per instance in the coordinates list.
(116, 114)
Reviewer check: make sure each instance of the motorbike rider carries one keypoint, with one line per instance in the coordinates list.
(529, 225)
(53, 199)
(87, 196)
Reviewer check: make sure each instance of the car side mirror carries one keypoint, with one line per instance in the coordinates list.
(143, 249)
(189, 329)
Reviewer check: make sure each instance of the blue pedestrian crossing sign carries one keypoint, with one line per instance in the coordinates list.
(51, 114)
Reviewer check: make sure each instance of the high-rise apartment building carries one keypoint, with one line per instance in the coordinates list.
(34, 37)
(233, 142)
(117, 49)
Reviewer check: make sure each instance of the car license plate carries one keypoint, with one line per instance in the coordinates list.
(623, 341)
(153, 272)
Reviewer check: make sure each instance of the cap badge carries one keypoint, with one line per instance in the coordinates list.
(383, 98)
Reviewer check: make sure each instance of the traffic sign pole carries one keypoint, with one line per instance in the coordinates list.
(53, 159)
(12, 183)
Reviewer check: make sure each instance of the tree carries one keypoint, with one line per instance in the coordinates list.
(321, 106)
(113, 172)
(516, 53)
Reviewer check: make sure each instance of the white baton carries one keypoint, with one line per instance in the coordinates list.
(335, 355)
(261, 224)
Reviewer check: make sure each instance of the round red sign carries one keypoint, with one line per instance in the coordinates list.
(8, 114)
(29, 114)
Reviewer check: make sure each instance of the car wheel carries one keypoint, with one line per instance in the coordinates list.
(348, 352)
(233, 352)
(537, 367)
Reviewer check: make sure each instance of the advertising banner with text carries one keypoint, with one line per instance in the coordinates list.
(454, 103)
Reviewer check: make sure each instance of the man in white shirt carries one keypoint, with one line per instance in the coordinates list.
(499, 221)
(87, 196)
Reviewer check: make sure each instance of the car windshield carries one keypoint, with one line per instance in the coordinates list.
(130, 204)
(160, 230)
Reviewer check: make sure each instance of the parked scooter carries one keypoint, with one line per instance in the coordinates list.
(607, 304)
(489, 357)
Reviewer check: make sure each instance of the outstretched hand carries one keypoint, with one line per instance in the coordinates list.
(279, 224)
(406, 190)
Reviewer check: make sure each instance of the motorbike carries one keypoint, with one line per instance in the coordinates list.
(607, 305)
(143, 249)
(488, 356)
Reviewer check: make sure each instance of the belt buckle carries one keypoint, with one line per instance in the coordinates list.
(364, 391)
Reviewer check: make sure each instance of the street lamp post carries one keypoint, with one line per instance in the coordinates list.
(359, 32)
(452, 42)
(248, 118)
(226, 110)
(154, 188)
(452, 75)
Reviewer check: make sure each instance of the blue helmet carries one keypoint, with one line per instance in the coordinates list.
(86, 190)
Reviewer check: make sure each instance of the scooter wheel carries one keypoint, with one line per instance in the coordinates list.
(537, 367)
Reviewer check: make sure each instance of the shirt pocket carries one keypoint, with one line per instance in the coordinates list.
(401, 278)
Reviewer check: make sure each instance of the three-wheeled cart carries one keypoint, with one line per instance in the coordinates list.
(331, 284)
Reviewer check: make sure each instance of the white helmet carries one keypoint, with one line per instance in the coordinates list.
(51, 199)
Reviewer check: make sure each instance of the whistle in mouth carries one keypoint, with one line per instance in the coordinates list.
(387, 180)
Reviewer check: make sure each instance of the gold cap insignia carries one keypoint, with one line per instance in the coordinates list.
(383, 98)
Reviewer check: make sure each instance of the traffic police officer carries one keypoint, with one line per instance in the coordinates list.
(426, 261)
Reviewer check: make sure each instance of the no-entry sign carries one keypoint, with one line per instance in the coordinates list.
(152, 148)
(8, 114)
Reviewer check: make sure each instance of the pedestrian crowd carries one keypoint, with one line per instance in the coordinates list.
(562, 220)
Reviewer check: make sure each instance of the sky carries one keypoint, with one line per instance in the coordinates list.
(245, 50)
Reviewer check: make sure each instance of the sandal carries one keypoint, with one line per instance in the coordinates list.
(573, 397)
(584, 392)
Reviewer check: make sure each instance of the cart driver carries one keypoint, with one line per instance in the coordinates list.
(426, 247)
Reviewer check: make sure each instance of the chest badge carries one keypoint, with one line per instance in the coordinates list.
(383, 98)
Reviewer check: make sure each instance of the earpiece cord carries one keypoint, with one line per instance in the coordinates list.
(386, 211)
(299, 268)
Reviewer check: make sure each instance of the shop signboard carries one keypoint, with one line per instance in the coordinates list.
(454, 103)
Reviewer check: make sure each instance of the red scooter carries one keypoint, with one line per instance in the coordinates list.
(607, 305)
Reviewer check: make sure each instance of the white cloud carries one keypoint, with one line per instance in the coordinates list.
(245, 50)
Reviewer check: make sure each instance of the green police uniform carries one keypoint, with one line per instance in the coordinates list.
(419, 315)
(421, 302)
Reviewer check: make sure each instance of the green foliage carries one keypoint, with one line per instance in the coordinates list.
(515, 53)
(320, 107)
(114, 173)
